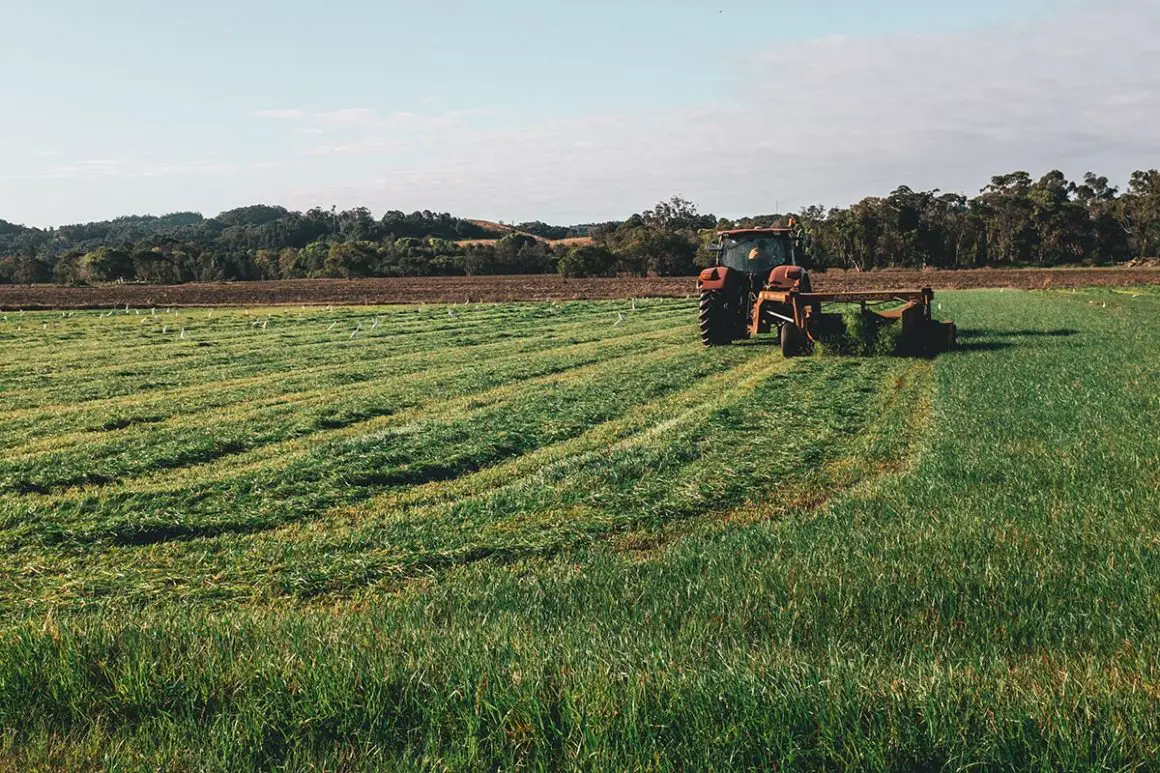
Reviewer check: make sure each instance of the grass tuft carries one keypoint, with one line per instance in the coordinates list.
(855, 331)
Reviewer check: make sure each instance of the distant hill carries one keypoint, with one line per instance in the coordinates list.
(567, 237)
(499, 229)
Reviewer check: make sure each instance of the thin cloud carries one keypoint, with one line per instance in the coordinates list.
(291, 114)
(369, 119)
(829, 120)
(102, 168)
(367, 132)
(351, 116)
(358, 116)
(377, 146)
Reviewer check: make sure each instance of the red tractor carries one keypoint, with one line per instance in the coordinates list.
(757, 286)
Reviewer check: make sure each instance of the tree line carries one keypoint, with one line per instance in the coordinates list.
(1015, 220)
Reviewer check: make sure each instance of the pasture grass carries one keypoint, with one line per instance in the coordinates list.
(537, 535)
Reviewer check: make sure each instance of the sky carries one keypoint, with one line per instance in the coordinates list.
(520, 110)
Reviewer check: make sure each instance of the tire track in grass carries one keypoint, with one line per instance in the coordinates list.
(890, 445)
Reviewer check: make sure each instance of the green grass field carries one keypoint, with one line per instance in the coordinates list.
(547, 536)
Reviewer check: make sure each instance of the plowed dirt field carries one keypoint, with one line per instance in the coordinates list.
(528, 287)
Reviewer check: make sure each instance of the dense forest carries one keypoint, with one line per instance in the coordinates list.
(1015, 220)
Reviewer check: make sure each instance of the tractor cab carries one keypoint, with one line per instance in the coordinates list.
(756, 250)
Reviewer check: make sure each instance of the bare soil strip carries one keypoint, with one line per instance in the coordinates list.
(491, 289)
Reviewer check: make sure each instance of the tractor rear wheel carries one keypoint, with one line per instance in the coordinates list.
(715, 319)
(792, 339)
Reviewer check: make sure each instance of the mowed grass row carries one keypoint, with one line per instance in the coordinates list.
(31, 431)
(108, 451)
(203, 361)
(705, 559)
(370, 389)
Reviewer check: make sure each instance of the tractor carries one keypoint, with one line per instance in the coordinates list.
(758, 286)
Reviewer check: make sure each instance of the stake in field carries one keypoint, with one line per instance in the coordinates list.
(566, 535)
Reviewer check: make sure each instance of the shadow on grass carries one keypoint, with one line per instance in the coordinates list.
(982, 346)
(762, 340)
(356, 487)
(151, 534)
(970, 332)
(1001, 339)
(906, 352)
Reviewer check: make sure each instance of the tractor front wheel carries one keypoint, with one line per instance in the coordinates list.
(715, 319)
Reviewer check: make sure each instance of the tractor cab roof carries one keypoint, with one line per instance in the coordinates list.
(740, 233)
